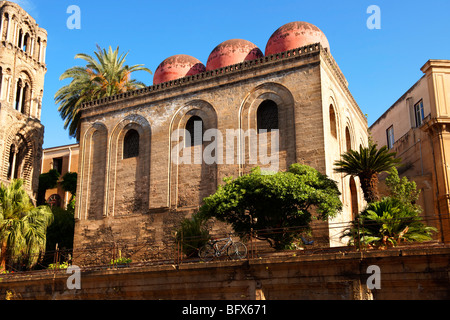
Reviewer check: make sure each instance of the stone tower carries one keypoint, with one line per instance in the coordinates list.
(22, 71)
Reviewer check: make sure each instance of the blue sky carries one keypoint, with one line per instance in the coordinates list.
(380, 65)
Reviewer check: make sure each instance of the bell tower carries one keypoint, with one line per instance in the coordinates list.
(22, 70)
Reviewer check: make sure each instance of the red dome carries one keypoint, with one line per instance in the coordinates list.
(294, 35)
(231, 52)
(176, 67)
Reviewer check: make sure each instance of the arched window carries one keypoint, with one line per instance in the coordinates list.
(5, 23)
(25, 98)
(11, 163)
(267, 116)
(333, 127)
(194, 127)
(348, 140)
(54, 200)
(131, 144)
(354, 198)
(19, 40)
(25, 44)
(18, 95)
(38, 50)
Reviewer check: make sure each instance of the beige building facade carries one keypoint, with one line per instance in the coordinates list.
(63, 159)
(22, 71)
(132, 186)
(417, 127)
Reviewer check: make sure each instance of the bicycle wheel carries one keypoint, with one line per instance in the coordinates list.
(237, 251)
(207, 252)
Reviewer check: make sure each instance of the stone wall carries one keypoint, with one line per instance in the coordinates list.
(406, 273)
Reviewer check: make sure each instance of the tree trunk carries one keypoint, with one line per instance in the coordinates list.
(3, 256)
(369, 185)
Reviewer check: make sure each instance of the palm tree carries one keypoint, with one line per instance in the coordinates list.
(367, 164)
(386, 223)
(105, 75)
(23, 226)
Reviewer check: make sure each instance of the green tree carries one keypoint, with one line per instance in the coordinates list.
(105, 75)
(61, 231)
(69, 182)
(192, 234)
(279, 206)
(386, 223)
(402, 189)
(47, 181)
(23, 226)
(367, 164)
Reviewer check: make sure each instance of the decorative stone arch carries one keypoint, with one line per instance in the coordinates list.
(91, 184)
(248, 121)
(22, 141)
(349, 138)
(192, 181)
(6, 23)
(132, 171)
(334, 110)
(25, 86)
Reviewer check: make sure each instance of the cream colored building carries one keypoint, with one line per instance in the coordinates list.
(417, 128)
(63, 159)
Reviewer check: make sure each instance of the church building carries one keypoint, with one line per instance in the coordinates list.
(147, 158)
(22, 70)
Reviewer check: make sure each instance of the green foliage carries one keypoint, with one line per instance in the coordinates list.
(23, 227)
(402, 189)
(386, 223)
(69, 182)
(104, 75)
(47, 181)
(366, 164)
(60, 266)
(61, 231)
(192, 234)
(120, 260)
(282, 204)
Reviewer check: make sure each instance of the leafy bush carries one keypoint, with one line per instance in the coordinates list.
(386, 223)
(53, 266)
(282, 204)
(192, 234)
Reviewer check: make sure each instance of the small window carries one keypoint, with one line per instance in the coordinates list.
(194, 127)
(57, 164)
(390, 137)
(11, 164)
(131, 144)
(348, 140)
(267, 116)
(333, 128)
(419, 114)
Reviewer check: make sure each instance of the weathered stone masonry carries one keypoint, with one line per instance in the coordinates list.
(142, 199)
(22, 71)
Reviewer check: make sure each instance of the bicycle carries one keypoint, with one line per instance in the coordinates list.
(214, 249)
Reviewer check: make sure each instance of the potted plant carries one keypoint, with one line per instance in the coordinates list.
(120, 262)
